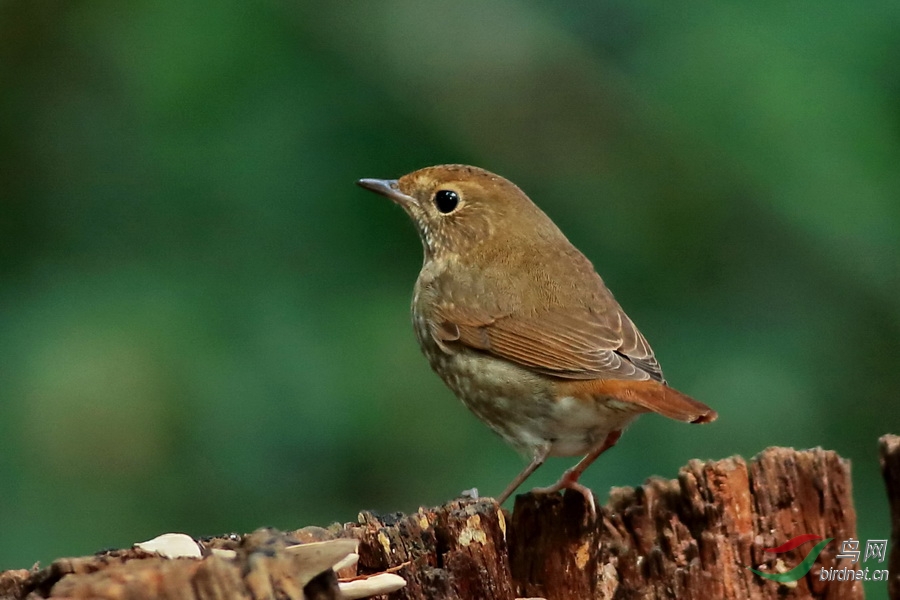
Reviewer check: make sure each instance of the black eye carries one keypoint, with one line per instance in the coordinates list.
(446, 201)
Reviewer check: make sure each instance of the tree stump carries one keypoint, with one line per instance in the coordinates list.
(889, 450)
(692, 537)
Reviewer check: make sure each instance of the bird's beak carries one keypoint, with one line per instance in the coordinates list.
(389, 188)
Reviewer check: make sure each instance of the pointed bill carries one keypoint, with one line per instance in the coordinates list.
(388, 188)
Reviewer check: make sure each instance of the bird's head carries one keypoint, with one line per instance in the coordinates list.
(457, 208)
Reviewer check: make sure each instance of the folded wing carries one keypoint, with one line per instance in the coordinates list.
(571, 344)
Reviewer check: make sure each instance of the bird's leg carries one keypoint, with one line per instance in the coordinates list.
(540, 455)
(569, 479)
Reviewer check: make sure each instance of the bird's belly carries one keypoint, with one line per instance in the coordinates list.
(523, 407)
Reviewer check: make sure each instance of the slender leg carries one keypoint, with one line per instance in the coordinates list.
(540, 455)
(569, 479)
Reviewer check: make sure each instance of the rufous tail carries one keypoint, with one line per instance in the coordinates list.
(655, 397)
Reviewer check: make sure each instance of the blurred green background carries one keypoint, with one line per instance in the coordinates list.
(204, 324)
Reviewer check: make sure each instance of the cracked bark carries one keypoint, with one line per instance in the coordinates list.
(889, 450)
(692, 537)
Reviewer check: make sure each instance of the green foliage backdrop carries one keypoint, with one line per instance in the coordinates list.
(204, 324)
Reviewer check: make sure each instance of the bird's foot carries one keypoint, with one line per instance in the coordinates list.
(569, 481)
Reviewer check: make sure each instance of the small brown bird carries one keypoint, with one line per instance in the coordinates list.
(519, 325)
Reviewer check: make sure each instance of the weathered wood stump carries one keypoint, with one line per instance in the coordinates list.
(889, 450)
(692, 537)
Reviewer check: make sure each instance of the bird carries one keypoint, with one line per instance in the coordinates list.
(519, 325)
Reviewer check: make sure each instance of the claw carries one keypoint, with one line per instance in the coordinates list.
(569, 481)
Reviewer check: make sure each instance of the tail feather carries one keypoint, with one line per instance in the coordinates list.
(656, 397)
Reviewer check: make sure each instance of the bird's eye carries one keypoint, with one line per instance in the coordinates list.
(446, 201)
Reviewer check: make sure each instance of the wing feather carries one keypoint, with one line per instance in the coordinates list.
(566, 343)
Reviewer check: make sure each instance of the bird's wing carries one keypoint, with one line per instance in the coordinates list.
(567, 343)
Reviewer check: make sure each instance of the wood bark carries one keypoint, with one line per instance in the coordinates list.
(889, 450)
(691, 537)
